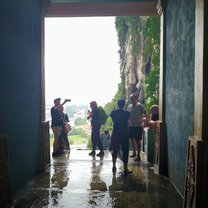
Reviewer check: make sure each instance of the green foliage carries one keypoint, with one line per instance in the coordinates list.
(133, 32)
(152, 49)
(108, 125)
(152, 44)
(89, 144)
(79, 121)
(76, 136)
(109, 106)
(102, 115)
(120, 94)
(77, 139)
(78, 131)
(122, 30)
(127, 27)
(152, 88)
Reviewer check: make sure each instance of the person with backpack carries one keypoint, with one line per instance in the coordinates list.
(95, 130)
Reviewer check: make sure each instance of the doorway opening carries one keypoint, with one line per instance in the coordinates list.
(81, 64)
(79, 87)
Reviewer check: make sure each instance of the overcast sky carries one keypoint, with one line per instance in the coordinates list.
(81, 59)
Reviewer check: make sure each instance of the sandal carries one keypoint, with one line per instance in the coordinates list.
(133, 155)
(127, 172)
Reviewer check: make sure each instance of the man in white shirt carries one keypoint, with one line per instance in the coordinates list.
(137, 111)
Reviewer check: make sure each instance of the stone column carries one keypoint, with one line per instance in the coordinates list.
(201, 70)
(162, 59)
(197, 160)
(161, 162)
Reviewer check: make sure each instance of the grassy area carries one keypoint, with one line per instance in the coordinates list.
(75, 139)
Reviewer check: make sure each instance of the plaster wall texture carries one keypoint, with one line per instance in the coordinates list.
(179, 84)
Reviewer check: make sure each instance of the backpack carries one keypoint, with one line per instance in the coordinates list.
(102, 115)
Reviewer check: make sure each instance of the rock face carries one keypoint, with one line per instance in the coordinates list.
(135, 63)
(136, 52)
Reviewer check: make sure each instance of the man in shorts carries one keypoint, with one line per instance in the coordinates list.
(137, 111)
(57, 124)
(120, 139)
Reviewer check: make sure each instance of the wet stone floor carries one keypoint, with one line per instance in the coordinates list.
(77, 180)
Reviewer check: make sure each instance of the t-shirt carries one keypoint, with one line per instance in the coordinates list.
(120, 120)
(95, 118)
(57, 119)
(136, 114)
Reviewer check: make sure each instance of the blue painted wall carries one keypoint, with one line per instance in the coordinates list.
(20, 86)
(179, 84)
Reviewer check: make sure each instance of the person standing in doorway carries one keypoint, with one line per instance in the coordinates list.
(63, 140)
(57, 123)
(140, 93)
(120, 137)
(136, 110)
(154, 112)
(95, 130)
(105, 139)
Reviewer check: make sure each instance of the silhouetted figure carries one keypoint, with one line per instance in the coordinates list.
(120, 138)
(136, 110)
(95, 132)
(154, 113)
(57, 123)
(105, 139)
(140, 93)
(63, 139)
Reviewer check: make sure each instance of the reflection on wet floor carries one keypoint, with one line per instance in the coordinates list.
(76, 180)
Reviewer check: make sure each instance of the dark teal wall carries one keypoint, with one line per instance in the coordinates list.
(20, 86)
(97, 1)
(179, 84)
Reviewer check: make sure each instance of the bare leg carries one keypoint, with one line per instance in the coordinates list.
(126, 170)
(114, 163)
(56, 132)
(134, 147)
(138, 142)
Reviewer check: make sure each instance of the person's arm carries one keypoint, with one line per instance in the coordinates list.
(144, 112)
(89, 114)
(66, 118)
(65, 101)
(112, 115)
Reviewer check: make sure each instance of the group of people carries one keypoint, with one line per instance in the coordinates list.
(60, 125)
(127, 124)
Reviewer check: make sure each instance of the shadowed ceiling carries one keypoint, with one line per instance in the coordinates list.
(72, 8)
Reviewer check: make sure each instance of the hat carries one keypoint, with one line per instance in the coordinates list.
(57, 99)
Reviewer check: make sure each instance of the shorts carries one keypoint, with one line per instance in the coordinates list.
(135, 133)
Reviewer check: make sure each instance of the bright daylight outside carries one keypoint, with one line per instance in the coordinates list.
(100, 59)
(81, 64)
